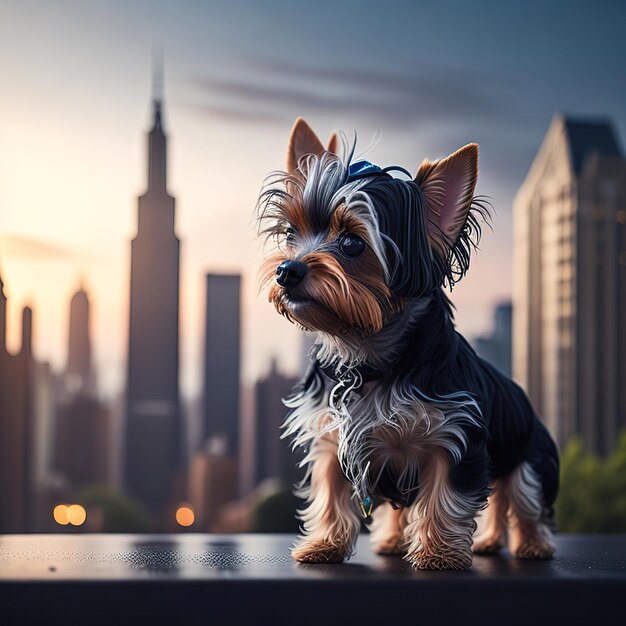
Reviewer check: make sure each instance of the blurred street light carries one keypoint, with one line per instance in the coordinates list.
(185, 516)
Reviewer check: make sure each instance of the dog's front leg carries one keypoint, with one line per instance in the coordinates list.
(441, 523)
(330, 520)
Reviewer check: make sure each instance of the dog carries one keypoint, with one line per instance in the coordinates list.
(398, 418)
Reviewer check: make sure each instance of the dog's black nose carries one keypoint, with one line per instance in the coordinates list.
(290, 273)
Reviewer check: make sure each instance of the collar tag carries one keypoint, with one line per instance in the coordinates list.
(342, 394)
(366, 506)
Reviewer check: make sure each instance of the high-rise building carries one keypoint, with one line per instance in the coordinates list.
(79, 373)
(496, 347)
(569, 303)
(212, 485)
(221, 388)
(3, 319)
(17, 485)
(153, 424)
(273, 455)
(82, 431)
(82, 436)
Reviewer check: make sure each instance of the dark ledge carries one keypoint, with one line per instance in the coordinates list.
(251, 579)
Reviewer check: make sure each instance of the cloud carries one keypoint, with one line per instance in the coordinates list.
(20, 246)
(277, 91)
(232, 114)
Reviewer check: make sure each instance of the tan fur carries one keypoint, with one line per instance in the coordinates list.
(527, 540)
(493, 538)
(529, 536)
(293, 213)
(440, 524)
(337, 299)
(303, 140)
(448, 186)
(333, 140)
(515, 509)
(387, 530)
(331, 522)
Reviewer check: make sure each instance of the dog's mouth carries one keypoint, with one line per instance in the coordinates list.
(309, 313)
(296, 299)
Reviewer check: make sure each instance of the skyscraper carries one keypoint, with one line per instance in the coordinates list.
(273, 455)
(569, 347)
(3, 321)
(221, 362)
(17, 489)
(153, 425)
(79, 373)
(82, 424)
(496, 348)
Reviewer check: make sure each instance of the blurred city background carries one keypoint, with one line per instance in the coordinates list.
(141, 374)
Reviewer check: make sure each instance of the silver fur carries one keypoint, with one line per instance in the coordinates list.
(324, 186)
(364, 422)
(525, 498)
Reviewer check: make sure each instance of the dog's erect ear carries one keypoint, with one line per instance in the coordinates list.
(333, 140)
(304, 141)
(448, 186)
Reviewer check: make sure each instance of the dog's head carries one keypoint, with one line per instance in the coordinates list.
(353, 242)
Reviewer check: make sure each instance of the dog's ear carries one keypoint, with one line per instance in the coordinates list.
(303, 141)
(333, 140)
(448, 186)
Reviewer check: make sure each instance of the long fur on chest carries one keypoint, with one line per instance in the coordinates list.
(383, 432)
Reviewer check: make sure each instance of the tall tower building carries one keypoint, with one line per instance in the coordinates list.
(496, 348)
(273, 455)
(569, 347)
(82, 424)
(79, 373)
(221, 363)
(16, 430)
(153, 425)
(3, 320)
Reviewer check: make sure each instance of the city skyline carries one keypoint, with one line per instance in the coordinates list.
(81, 427)
(71, 118)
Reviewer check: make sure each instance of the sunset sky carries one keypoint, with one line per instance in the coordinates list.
(423, 78)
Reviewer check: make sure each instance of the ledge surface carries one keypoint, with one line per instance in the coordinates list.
(251, 579)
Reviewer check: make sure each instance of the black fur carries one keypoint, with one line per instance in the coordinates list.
(438, 361)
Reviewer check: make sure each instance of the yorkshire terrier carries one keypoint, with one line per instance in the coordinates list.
(398, 417)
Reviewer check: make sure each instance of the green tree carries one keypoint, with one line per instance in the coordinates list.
(592, 496)
(277, 513)
(118, 513)
(614, 489)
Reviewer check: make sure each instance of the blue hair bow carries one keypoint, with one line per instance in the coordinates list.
(361, 169)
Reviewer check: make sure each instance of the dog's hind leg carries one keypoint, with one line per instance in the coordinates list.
(441, 523)
(387, 533)
(330, 520)
(493, 538)
(530, 536)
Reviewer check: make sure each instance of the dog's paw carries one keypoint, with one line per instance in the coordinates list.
(389, 545)
(441, 560)
(534, 550)
(318, 552)
(487, 546)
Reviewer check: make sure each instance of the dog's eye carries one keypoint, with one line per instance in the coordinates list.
(290, 234)
(351, 245)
